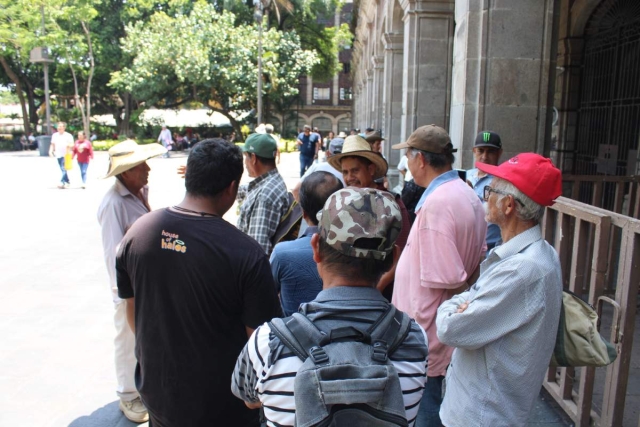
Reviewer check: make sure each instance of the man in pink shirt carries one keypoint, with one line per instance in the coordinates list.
(443, 251)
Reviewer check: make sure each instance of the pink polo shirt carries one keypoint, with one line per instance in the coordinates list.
(445, 246)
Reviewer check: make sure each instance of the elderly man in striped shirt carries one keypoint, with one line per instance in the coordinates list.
(354, 246)
(504, 327)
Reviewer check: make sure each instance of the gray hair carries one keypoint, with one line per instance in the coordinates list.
(437, 161)
(528, 210)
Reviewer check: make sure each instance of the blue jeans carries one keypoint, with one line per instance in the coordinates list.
(429, 410)
(305, 163)
(65, 177)
(83, 171)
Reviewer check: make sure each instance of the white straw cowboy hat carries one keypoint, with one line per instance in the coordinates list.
(128, 154)
(355, 145)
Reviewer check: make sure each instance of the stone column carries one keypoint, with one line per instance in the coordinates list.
(368, 101)
(502, 63)
(378, 78)
(392, 100)
(428, 47)
(309, 91)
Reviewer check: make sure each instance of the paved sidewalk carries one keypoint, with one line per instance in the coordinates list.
(56, 315)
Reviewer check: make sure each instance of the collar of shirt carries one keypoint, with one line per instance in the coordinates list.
(518, 243)
(124, 191)
(253, 184)
(437, 182)
(472, 177)
(310, 231)
(348, 293)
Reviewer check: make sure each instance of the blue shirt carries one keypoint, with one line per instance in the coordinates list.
(295, 272)
(308, 147)
(493, 231)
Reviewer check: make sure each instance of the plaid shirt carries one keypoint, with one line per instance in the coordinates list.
(266, 201)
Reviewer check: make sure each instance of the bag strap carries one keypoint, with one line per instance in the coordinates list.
(388, 332)
(299, 334)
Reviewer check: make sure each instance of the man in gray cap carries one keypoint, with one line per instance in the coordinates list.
(487, 149)
(443, 251)
(354, 246)
(266, 198)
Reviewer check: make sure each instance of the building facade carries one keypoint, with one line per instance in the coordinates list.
(556, 77)
(327, 104)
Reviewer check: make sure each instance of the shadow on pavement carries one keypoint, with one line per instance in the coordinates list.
(107, 416)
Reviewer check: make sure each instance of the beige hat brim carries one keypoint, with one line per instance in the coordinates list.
(400, 146)
(142, 153)
(380, 163)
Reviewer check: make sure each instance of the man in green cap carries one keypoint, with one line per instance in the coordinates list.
(265, 198)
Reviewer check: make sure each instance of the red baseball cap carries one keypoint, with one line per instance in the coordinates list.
(534, 175)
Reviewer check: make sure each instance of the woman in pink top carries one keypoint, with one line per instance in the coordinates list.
(84, 150)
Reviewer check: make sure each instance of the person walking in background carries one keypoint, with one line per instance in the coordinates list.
(84, 150)
(165, 139)
(61, 144)
(308, 146)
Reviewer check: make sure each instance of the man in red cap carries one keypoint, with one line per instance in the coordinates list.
(503, 327)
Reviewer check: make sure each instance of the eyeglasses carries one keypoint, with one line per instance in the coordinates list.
(488, 190)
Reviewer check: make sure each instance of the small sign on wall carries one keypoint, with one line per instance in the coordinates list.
(607, 160)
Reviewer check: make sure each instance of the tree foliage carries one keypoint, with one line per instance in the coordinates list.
(205, 57)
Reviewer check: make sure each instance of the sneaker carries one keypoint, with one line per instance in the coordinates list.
(134, 410)
(61, 186)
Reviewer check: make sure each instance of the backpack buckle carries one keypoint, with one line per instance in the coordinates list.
(318, 355)
(380, 351)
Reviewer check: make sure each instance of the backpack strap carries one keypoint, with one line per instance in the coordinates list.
(300, 335)
(388, 332)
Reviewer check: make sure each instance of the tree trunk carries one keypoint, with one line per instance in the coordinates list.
(16, 80)
(87, 123)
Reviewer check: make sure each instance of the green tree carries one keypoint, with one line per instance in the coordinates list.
(209, 60)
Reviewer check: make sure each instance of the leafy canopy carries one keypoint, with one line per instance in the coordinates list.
(205, 56)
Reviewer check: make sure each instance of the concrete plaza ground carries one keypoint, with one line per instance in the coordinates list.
(56, 353)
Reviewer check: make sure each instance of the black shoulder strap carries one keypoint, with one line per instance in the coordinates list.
(391, 328)
(297, 333)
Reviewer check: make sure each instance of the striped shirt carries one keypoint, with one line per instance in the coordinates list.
(266, 201)
(265, 371)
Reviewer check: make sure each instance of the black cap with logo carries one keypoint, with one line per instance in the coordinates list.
(488, 139)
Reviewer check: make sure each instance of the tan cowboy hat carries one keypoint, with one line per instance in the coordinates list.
(355, 145)
(128, 154)
(342, 134)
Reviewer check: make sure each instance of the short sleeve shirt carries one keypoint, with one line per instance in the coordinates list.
(308, 147)
(444, 248)
(197, 282)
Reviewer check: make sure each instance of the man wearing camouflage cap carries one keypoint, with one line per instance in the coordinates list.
(265, 199)
(354, 246)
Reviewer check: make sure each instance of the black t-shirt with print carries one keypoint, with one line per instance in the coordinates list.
(197, 281)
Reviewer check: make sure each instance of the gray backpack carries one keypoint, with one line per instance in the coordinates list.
(347, 378)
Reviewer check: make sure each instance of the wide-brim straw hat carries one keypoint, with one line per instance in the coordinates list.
(128, 154)
(355, 145)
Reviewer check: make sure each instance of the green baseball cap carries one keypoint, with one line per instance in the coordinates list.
(262, 145)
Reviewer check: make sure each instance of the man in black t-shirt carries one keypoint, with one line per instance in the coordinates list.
(195, 289)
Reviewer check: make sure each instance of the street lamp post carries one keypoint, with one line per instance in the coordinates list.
(41, 55)
(258, 14)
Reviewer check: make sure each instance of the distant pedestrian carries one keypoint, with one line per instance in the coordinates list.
(84, 150)
(308, 146)
(61, 144)
(123, 204)
(165, 139)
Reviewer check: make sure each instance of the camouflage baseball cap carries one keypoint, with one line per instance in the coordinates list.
(353, 213)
